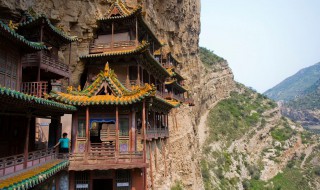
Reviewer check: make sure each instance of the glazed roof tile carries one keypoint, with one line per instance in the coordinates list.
(142, 48)
(30, 178)
(21, 97)
(12, 35)
(173, 73)
(120, 96)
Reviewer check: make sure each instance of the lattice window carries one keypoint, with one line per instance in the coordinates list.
(82, 181)
(123, 180)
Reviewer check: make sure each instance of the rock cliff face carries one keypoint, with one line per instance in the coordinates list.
(176, 23)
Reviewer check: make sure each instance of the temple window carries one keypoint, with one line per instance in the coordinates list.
(81, 128)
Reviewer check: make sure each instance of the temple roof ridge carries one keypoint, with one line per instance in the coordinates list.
(34, 20)
(89, 96)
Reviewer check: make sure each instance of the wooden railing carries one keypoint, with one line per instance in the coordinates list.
(111, 46)
(53, 62)
(155, 133)
(35, 88)
(48, 63)
(177, 97)
(107, 154)
(15, 163)
(170, 95)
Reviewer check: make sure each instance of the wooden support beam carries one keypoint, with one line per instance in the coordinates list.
(26, 143)
(155, 155)
(164, 156)
(144, 130)
(138, 77)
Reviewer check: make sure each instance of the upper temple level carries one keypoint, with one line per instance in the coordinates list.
(122, 28)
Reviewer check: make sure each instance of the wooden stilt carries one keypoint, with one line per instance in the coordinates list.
(164, 157)
(151, 171)
(144, 141)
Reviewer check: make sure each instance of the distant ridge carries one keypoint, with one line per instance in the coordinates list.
(300, 84)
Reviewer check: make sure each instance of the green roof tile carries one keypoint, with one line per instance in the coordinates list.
(11, 34)
(27, 98)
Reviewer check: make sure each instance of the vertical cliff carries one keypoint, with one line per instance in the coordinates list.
(177, 24)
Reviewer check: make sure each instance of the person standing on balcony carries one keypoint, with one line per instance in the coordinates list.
(64, 143)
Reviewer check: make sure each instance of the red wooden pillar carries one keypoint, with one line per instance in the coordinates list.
(142, 76)
(138, 77)
(127, 80)
(154, 122)
(137, 40)
(71, 180)
(133, 131)
(87, 129)
(112, 36)
(117, 131)
(74, 130)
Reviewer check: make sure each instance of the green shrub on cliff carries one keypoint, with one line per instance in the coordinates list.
(208, 58)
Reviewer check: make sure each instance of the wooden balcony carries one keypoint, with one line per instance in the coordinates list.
(170, 95)
(190, 101)
(103, 156)
(112, 46)
(47, 63)
(12, 164)
(34, 88)
(156, 133)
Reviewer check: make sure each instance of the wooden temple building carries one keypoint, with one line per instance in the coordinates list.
(22, 164)
(120, 108)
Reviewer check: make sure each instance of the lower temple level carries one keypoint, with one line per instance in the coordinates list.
(131, 179)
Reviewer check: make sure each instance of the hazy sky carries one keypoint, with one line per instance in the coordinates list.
(264, 41)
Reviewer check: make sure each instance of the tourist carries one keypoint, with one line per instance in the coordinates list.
(64, 144)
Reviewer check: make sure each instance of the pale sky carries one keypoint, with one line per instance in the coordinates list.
(264, 41)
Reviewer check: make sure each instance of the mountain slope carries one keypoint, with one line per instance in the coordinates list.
(295, 85)
(249, 145)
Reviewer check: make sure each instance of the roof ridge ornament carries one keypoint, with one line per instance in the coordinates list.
(106, 69)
